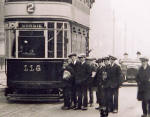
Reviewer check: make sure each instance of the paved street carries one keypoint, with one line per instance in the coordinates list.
(129, 107)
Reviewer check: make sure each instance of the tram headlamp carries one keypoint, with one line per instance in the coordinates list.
(13, 25)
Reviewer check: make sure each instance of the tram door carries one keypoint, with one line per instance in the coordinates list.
(31, 44)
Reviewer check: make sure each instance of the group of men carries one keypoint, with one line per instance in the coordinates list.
(79, 75)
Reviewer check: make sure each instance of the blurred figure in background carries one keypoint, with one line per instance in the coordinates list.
(143, 81)
(138, 54)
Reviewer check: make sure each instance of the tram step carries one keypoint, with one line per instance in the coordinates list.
(16, 97)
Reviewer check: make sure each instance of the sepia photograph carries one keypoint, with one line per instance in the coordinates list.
(74, 58)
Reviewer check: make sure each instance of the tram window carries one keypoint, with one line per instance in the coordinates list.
(65, 43)
(51, 25)
(12, 43)
(51, 43)
(59, 43)
(65, 26)
(59, 25)
(30, 45)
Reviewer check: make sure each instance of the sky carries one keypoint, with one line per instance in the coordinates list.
(119, 26)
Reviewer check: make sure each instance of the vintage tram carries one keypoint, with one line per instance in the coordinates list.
(39, 35)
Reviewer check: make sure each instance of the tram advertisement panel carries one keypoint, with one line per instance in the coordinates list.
(38, 72)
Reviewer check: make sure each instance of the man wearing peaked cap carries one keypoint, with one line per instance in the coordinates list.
(93, 65)
(82, 55)
(115, 81)
(143, 82)
(82, 76)
(99, 60)
(112, 57)
(72, 54)
(143, 59)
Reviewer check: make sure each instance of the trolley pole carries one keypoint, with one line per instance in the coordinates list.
(114, 33)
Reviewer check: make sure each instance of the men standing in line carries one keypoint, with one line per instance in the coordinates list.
(143, 81)
(114, 83)
(82, 75)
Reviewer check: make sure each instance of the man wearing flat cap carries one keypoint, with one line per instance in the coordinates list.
(74, 65)
(92, 62)
(114, 83)
(143, 81)
(102, 92)
(82, 76)
(68, 81)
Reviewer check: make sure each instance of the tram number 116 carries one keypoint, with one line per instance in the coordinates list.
(32, 68)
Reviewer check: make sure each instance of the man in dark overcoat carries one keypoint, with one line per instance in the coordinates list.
(68, 73)
(143, 81)
(75, 64)
(114, 83)
(82, 76)
(102, 89)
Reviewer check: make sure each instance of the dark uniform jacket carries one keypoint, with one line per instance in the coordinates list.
(82, 74)
(101, 77)
(143, 81)
(115, 76)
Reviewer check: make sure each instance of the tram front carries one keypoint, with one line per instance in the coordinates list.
(35, 50)
(39, 37)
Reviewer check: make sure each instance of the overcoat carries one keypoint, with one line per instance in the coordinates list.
(143, 81)
(115, 76)
(82, 74)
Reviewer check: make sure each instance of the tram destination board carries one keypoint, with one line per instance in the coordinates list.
(31, 25)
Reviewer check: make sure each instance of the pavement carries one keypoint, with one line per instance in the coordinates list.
(2, 79)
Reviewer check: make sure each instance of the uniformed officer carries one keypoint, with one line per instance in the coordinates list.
(81, 78)
(143, 81)
(102, 78)
(114, 83)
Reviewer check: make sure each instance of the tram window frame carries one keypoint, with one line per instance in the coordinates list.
(62, 53)
(27, 48)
